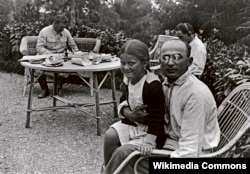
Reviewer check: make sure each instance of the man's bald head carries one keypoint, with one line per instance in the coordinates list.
(175, 58)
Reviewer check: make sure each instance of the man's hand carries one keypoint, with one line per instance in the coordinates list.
(139, 112)
(136, 115)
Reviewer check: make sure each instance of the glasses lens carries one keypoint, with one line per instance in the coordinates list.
(166, 58)
(176, 57)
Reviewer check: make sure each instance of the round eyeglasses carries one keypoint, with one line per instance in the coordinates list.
(175, 57)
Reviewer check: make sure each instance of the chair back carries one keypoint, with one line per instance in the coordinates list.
(155, 53)
(234, 118)
(28, 45)
(88, 44)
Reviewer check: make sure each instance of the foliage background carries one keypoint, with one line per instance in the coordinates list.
(223, 25)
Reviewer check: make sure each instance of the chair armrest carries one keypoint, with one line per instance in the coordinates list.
(97, 46)
(155, 152)
(135, 153)
(163, 152)
(129, 157)
(23, 46)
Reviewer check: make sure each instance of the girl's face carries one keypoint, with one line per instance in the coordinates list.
(132, 67)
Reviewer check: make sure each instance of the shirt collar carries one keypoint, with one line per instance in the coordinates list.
(193, 41)
(182, 79)
(126, 80)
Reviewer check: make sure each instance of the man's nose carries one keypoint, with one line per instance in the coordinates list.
(171, 61)
(126, 66)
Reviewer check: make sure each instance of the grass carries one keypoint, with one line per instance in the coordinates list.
(61, 142)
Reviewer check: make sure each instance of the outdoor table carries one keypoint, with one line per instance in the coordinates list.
(108, 67)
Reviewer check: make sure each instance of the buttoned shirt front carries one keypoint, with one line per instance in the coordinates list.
(199, 54)
(49, 41)
(191, 116)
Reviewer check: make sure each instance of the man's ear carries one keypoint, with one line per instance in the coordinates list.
(145, 64)
(190, 60)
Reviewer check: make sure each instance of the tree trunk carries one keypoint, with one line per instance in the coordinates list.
(73, 14)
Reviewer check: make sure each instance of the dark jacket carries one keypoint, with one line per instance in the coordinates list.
(153, 97)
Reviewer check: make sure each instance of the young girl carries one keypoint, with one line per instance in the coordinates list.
(141, 107)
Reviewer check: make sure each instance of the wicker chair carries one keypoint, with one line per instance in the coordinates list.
(28, 47)
(234, 121)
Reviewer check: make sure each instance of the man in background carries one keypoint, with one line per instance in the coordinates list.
(186, 33)
(54, 39)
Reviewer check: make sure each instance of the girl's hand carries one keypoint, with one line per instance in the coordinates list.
(145, 149)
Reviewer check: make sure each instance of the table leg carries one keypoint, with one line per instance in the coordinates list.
(113, 86)
(97, 103)
(55, 89)
(27, 124)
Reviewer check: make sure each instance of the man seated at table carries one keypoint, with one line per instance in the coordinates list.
(51, 40)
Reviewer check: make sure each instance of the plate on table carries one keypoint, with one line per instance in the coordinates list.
(108, 58)
(55, 60)
(101, 58)
(81, 61)
(34, 59)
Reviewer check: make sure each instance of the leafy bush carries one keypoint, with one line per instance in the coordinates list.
(11, 39)
(10, 66)
(226, 68)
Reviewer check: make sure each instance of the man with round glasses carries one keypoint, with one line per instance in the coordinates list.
(191, 111)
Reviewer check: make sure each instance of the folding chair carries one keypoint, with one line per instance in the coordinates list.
(234, 122)
(28, 47)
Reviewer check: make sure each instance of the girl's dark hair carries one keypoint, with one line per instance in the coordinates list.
(136, 48)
